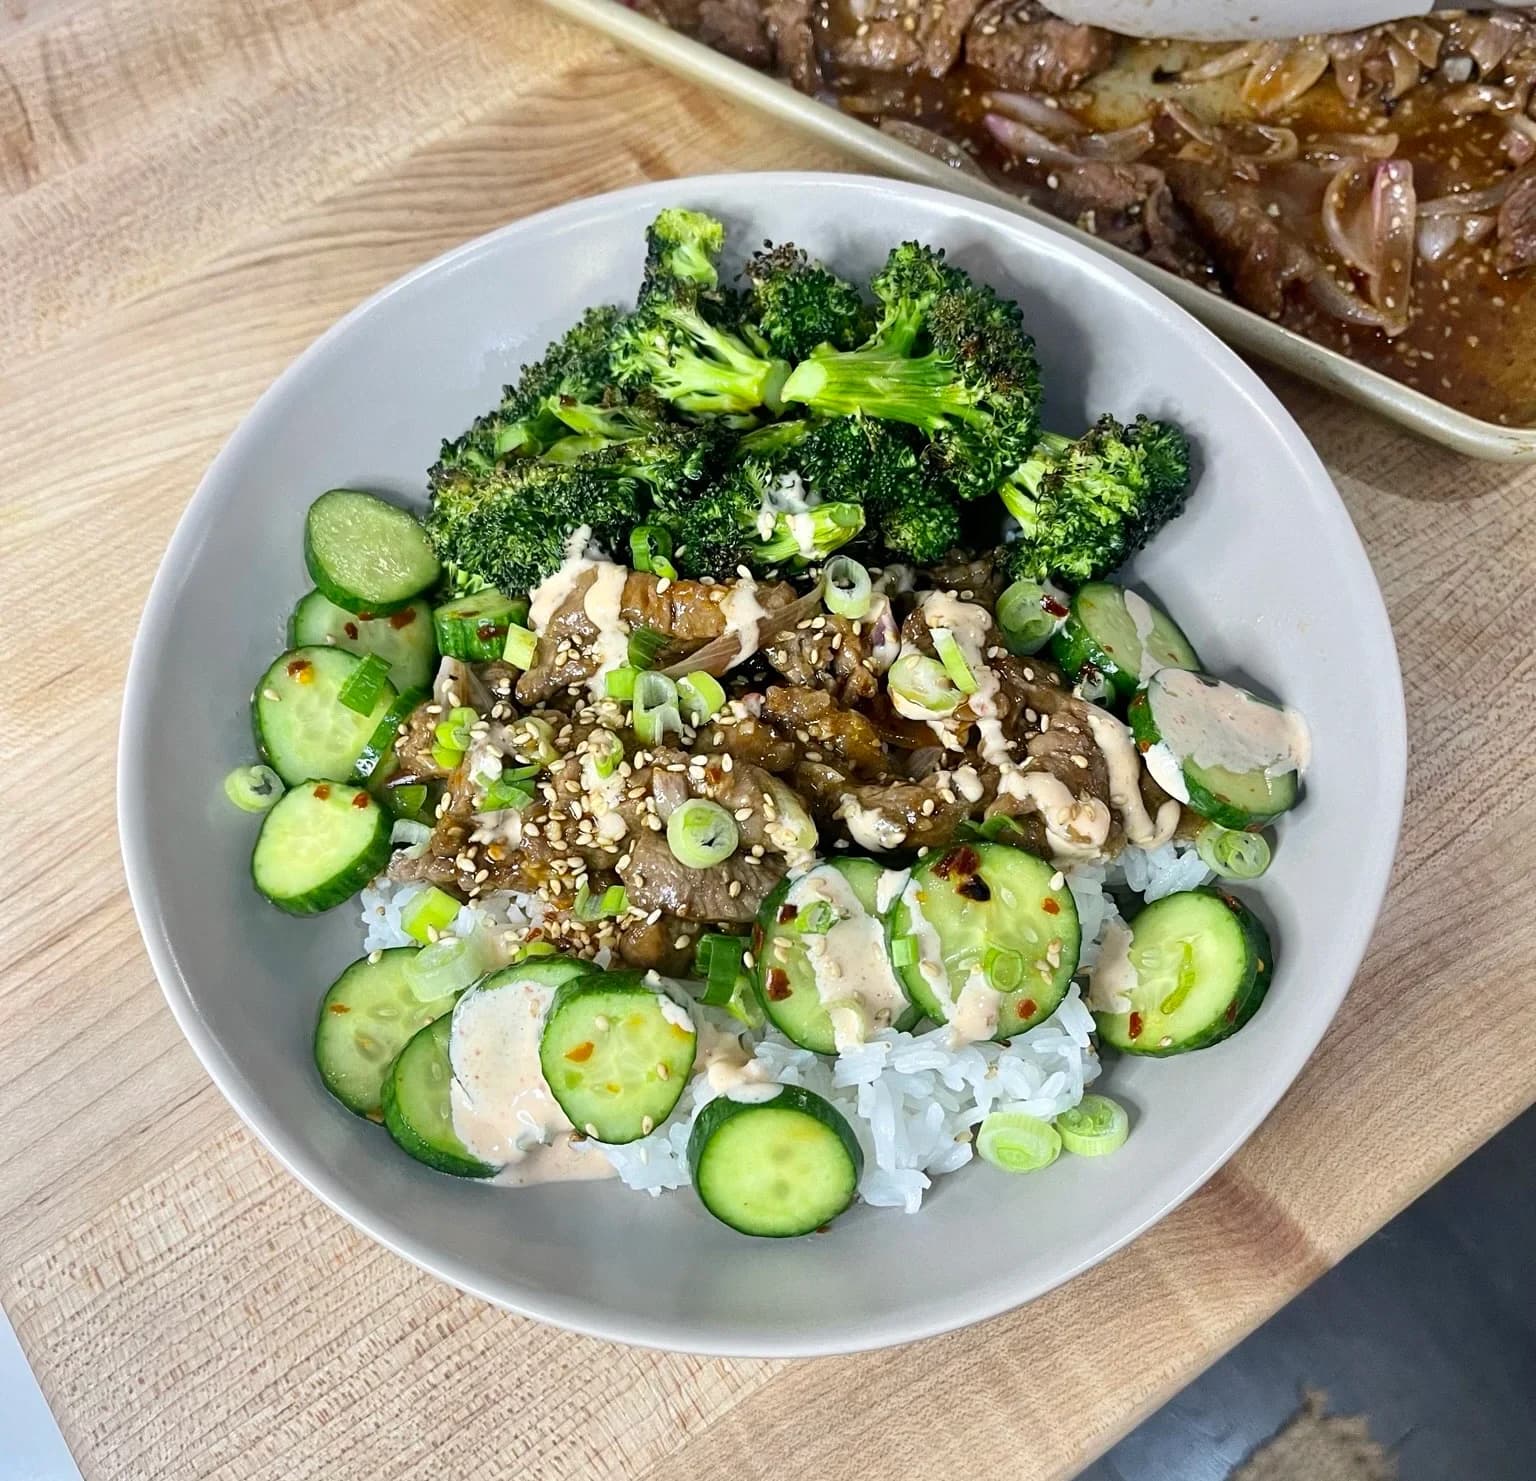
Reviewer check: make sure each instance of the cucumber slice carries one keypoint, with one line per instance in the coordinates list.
(377, 755)
(1122, 635)
(1203, 964)
(403, 639)
(985, 937)
(549, 970)
(302, 726)
(320, 844)
(475, 628)
(366, 1018)
(366, 555)
(820, 941)
(780, 1163)
(418, 1112)
(1235, 799)
(616, 1054)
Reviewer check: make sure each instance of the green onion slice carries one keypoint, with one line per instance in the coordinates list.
(848, 590)
(364, 685)
(589, 907)
(655, 708)
(701, 833)
(447, 757)
(1004, 968)
(717, 960)
(646, 645)
(534, 739)
(922, 681)
(952, 656)
(449, 965)
(620, 684)
(1017, 1142)
(453, 730)
(407, 801)
(520, 647)
(507, 791)
(1094, 1127)
(606, 751)
(700, 696)
(650, 548)
(432, 911)
(1026, 622)
(816, 919)
(904, 951)
(1231, 853)
(253, 788)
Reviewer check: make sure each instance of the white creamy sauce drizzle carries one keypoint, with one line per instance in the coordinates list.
(1124, 763)
(1075, 827)
(1112, 979)
(869, 827)
(848, 962)
(502, 1109)
(802, 527)
(972, 1014)
(743, 614)
(551, 593)
(888, 888)
(1139, 610)
(754, 1094)
(604, 606)
(603, 794)
(723, 1060)
(1216, 724)
(966, 780)
(1164, 768)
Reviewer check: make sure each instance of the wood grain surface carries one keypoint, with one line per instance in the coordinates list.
(190, 191)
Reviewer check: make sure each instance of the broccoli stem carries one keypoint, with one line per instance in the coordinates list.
(921, 392)
(811, 536)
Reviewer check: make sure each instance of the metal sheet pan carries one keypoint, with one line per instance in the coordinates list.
(1238, 326)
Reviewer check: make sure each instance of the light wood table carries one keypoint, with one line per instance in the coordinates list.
(190, 191)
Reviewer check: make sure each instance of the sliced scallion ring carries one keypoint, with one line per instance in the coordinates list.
(700, 696)
(520, 647)
(1025, 621)
(904, 951)
(589, 907)
(253, 788)
(606, 751)
(1004, 968)
(619, 684)
(717, 960)
(1094, 1127)
(650, 549)
(429, 914)
(448, 965)
(655, 708)
(453, 731)
(646, 645)
(701, 833)
(922, 682)
(1017, 1142)
(1231, 853)
(952, 656)
(534, 740)
(848, 590)
(506, 792)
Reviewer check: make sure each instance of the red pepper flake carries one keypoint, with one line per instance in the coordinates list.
(1051, 605)
(403, 618)
(299, 669)
(786, 914)
(1144, 746)
(1134, 1027)
(778, 984)
(350, 629)
(339, 1008)
(757, 939)
(1028, 1008)
(582, 1052)
(1049, 906)
(365, 616)
(962, 860)
(360, 801)
(974, 887)
(1232, 1011)
(322, 791)
(485, 631)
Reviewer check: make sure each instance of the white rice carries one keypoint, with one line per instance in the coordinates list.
(912, 1101)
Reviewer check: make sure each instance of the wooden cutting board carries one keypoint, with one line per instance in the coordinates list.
(189, 193)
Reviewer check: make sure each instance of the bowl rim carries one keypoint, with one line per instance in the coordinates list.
(195, 526)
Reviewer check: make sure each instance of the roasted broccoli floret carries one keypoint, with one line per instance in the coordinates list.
(681, 246)
(922, 525)
(948, 357)
(639, 440)
(575, 366)
(672, 345)
(797, 305)
(1085, 506)
(508, 526)
(739, 521)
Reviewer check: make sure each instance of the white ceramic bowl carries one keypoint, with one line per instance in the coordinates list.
(1264, 571)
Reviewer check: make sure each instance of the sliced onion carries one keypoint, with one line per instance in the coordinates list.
(1436, 235)
(1348, 53)
(1475, 229)
(1346, 215)
(936, 146)
(1032, 109)
(1123, 145)
(1340, 303)
(1228, 62)
(1281, 73)
(1494, 41)
(1394, 211)
(1352, 146)
(1421, 41)
(1520, 140)
(1282, 145)
(1469, 202)
(1475, 97)
(1197, 128)
(1405, 70)
(1024, 142)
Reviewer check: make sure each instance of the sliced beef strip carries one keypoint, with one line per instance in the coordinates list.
(902, 803)
(747, 739)
(736, 28)
(415, 742)
(670, 781)
(654, 880)
(1025, 47)
(1517, 228)
(942, 33)
(652, 945)
(826, 726)
(791, 29)
(976, 580)
(834, 656)
(873, 35)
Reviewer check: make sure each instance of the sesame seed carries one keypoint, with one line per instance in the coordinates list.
(734, 889)
(748, 960)
(375, 957)
(271, 695)
(591, 1129)
(662, 1072)
(647, 1126)
(600, 1023)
